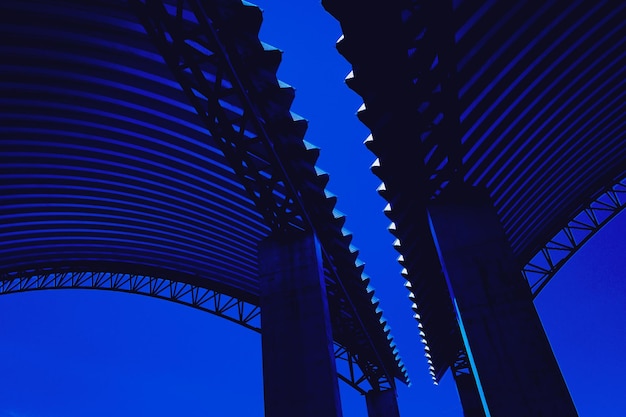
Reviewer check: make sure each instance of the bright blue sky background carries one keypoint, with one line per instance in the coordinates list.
(94, 353)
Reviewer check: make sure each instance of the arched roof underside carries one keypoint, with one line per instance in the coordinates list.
(524, 99)
(112, 156)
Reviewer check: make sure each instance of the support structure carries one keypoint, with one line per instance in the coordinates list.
(466, 386)
(514, 367)
(582, 227)
(382, 403)
(299, 371)
(228, 76)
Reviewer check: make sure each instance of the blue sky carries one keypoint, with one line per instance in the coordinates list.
(91, 353)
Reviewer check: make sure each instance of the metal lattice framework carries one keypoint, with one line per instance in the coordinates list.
(193, 50)
(200, 298)
(498, 96)
(204, 67)
(597, 214)
(106, 166)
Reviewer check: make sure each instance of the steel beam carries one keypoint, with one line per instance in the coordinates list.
(208, 300)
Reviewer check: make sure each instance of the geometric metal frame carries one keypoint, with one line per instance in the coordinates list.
(241, 125)
(561, 247)
(205, 299)
(244, 138)
(454, 93)
(192, 47)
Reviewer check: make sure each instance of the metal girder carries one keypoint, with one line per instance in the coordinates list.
(420, 107)
(189, 35)
(356, 369)
(201, 298)
(433, 72)
(188, 40)
(461, 365)
(350, 370)
(593, 217)
(410, 106)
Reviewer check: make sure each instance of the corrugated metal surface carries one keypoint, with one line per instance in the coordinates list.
(105, 166)
(524, 99)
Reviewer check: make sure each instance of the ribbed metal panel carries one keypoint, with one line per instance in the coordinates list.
(104, 161)
(524, 99)
(106, 166)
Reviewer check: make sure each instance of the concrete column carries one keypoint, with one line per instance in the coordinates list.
(382, 403)
(469, 395)
(515, 370)
(299, 371)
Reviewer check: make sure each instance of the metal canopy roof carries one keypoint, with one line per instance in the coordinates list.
(524, 99)
(107, 167)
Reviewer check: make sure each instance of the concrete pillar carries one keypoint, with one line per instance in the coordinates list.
(382, 403)
(299, 371)
(469, 395)
(514, 367)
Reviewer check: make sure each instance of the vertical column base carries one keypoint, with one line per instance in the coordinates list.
(469, 395)
(299, 371)
(382, 403)
(510, 355)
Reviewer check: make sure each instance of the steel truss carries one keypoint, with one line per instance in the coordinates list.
(205, 299)
(187, 38)
(466, 386)
(461, 365)
(593, 217)
(349, 371)
(204, 52)
(201, 298)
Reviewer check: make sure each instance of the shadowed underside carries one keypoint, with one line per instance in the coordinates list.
(106, 166)
(523, 99)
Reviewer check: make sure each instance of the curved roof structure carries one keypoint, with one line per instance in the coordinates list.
(525, 100)
(135, 140)
(596, 214)
(103, 159)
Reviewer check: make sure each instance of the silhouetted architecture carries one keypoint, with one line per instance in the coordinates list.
(147, 147)
(495, 124)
